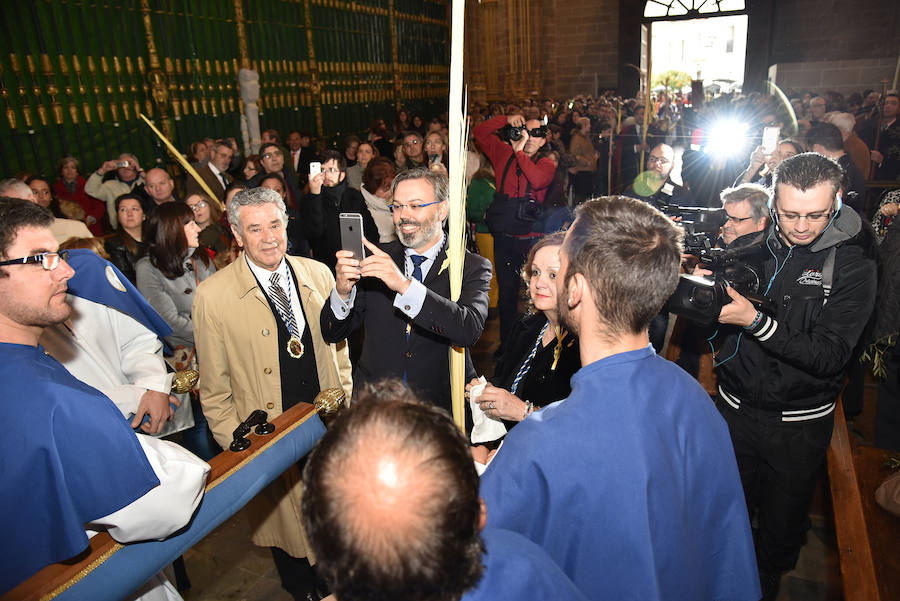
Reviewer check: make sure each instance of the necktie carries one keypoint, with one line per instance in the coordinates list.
(417, 261)
(224, 181)
(282, 303)
(294, 154)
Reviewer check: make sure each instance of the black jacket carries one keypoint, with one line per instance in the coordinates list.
(795, 359)
(543, 383)
(324, 227)
(388, 352)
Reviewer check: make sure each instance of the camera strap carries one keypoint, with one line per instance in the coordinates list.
(518, 172)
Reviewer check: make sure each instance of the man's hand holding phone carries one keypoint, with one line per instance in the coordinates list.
(346, 273)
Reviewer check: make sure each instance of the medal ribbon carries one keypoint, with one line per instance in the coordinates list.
(524, 369)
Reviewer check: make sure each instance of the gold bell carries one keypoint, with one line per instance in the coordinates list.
(329, 403)
(185, 380)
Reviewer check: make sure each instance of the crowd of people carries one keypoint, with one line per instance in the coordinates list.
(594, 449)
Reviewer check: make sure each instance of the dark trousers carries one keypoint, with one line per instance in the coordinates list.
(297, 576)
(779, 463)
(509, 257)
(887, 416)
(198, 439)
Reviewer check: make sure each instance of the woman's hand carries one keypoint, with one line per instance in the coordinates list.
(499, 403)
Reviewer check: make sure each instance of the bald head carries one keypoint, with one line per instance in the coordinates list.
(391, 496)
(661, 160)
(159, 185)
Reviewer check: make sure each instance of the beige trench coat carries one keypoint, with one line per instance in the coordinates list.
(237, 346)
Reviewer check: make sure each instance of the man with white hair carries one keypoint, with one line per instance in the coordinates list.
(853, 145)
(259, 344)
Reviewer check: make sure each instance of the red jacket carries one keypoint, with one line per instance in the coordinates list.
(92, 207)
(538, 173)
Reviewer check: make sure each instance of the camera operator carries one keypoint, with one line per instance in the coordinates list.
(779, 374)
(747, 214)
(524, 174)
(654, 185)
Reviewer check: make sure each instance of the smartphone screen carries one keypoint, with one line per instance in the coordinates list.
(352, 234)
(770, 139)
(315, 168)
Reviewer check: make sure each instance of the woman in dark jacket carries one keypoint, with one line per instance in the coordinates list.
(127, 244)
(542, 355)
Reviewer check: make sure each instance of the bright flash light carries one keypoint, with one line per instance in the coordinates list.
(726, 138)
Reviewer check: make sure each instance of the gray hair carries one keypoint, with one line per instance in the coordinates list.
(844, 122)
(438, 181)
(254, 197)
(756, 195)
(15, 188)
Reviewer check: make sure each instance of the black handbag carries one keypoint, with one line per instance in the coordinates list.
(512, 215)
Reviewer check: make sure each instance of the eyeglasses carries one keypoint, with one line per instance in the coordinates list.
(273, 153)
(811, 217)
(197, 206)
(658, 160)
(413, 207)
(411, 143)
(734, 219)
(537, 132)
(48, 261)
(330, 170)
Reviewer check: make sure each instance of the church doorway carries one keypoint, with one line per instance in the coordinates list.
(699, 40)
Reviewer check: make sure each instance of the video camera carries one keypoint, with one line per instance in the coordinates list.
(696, 219)
(701, 298)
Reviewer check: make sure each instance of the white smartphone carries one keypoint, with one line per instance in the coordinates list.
(315, 168)
(352, 234)
(770, 139)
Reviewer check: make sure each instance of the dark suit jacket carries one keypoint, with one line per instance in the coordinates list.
(423, 356)
(212, 180)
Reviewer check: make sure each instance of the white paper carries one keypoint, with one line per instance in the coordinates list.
(486, 428)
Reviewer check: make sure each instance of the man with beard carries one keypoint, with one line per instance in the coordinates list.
(400, 294)
(329, 196)
(630, 484)
(654, 185)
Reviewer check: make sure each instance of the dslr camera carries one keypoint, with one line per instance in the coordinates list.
(701, 298)
(511, 133)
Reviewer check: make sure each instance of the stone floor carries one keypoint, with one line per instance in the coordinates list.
(226, 566)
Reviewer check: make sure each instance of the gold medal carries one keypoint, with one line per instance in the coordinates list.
(295, 347)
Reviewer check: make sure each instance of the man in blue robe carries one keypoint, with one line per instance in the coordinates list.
(630, 485)
(70, 460)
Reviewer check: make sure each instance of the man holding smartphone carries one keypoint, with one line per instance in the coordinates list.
(329, 196)
(400, 294)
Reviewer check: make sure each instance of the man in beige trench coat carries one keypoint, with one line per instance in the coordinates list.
(259, 345)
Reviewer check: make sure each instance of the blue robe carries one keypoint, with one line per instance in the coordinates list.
(517, 569)
(630, 486)
(66, 457)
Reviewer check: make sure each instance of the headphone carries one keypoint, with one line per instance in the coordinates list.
(836, 207)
